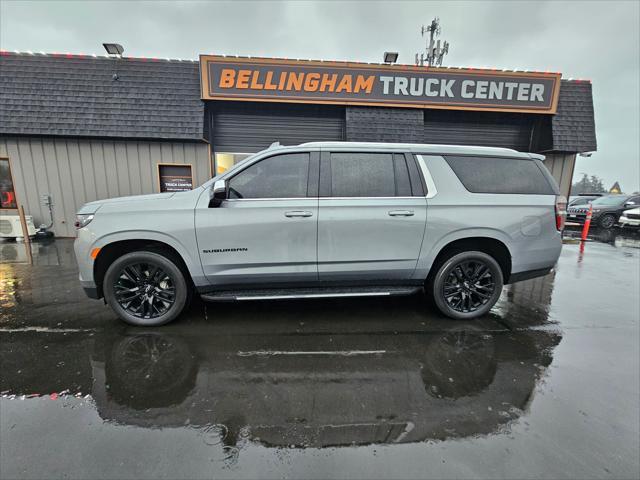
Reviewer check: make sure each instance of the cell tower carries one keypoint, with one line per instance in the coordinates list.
(435, 51)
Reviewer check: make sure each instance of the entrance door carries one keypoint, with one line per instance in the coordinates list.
(266, 232)
(372, 217)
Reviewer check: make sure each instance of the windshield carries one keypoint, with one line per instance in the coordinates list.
(581, 201)
(613, 200)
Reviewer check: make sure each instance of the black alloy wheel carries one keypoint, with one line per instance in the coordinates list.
(607, 221)
(468, 286)
(144, 290)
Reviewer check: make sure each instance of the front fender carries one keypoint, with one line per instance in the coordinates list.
(186, 248)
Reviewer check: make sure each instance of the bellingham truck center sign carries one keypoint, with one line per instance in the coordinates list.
(342, 83)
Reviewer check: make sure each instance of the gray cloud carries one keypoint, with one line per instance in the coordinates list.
(594, 40)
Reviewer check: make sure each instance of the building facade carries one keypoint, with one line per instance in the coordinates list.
(81, 128)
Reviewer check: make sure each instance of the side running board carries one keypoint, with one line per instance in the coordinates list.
(299, 293)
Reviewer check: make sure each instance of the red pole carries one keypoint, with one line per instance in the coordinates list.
(587, 224)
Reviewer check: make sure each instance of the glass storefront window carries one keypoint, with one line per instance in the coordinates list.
(225, 160)
(7, 192)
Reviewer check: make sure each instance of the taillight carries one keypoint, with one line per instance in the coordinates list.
(561, 212)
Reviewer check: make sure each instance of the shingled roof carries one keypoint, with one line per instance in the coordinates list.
(75, 95)
(573, 127)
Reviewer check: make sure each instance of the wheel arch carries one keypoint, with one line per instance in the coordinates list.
(117, 248)
(490, 245)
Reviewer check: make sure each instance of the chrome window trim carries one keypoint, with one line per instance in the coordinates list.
(432, 191)
(263, 199)
(318, 198)
(369, 198)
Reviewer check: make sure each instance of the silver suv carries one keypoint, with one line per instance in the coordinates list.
(326, 220)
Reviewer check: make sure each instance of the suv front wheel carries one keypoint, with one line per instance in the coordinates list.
(145, 288)
(467, 285)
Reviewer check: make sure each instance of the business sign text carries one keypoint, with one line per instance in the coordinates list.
(273, 80)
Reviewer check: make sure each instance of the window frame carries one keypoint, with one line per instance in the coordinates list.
(13, 184)
(416, 182)
(312, 176)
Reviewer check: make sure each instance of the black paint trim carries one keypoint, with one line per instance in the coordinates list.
(92, 292)
(310, 284)
(529, 274)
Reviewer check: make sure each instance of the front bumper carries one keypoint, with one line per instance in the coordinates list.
(629, 222)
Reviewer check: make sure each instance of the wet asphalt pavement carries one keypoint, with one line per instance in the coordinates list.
(546, 386)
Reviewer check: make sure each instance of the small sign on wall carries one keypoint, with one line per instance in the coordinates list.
(175, 177)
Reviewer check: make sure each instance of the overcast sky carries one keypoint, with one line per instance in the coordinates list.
(590, 40)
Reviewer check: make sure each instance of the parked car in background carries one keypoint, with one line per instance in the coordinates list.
(606, 210)
(630, 218)
(583, 199)
(328, 219)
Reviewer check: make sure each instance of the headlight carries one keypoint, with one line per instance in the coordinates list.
(83, 220)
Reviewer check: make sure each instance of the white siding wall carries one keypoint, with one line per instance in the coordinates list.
(76, 171)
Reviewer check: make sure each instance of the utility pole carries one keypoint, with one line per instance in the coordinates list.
(435, 51)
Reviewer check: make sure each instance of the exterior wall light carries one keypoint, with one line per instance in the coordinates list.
(113, 49)
(390, 57)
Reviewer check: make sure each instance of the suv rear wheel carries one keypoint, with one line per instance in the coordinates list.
(466, 285)
(145, 288)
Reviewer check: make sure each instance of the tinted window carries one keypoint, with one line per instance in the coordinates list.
(362, 175)
(280, 176)
(500, 175)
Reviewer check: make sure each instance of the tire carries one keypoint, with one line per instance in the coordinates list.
(467, 298)
(607, 221)
(131, 273)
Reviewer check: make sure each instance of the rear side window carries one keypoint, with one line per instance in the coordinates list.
(501, 175)
(369, 175)
(362, 175)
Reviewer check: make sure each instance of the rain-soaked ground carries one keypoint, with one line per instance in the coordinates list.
(546, 386)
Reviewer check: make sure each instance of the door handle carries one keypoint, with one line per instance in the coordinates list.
(401, 213)
(297, 213)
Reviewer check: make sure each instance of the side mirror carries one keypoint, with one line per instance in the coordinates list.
(629, 204)
(218, 194)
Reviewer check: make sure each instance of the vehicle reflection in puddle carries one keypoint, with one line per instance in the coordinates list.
(338, 374)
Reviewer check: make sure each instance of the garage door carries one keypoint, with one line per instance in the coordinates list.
(250, 127)
(487, 129)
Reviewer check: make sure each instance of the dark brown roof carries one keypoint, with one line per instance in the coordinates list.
(573, 127)
(74, 95)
